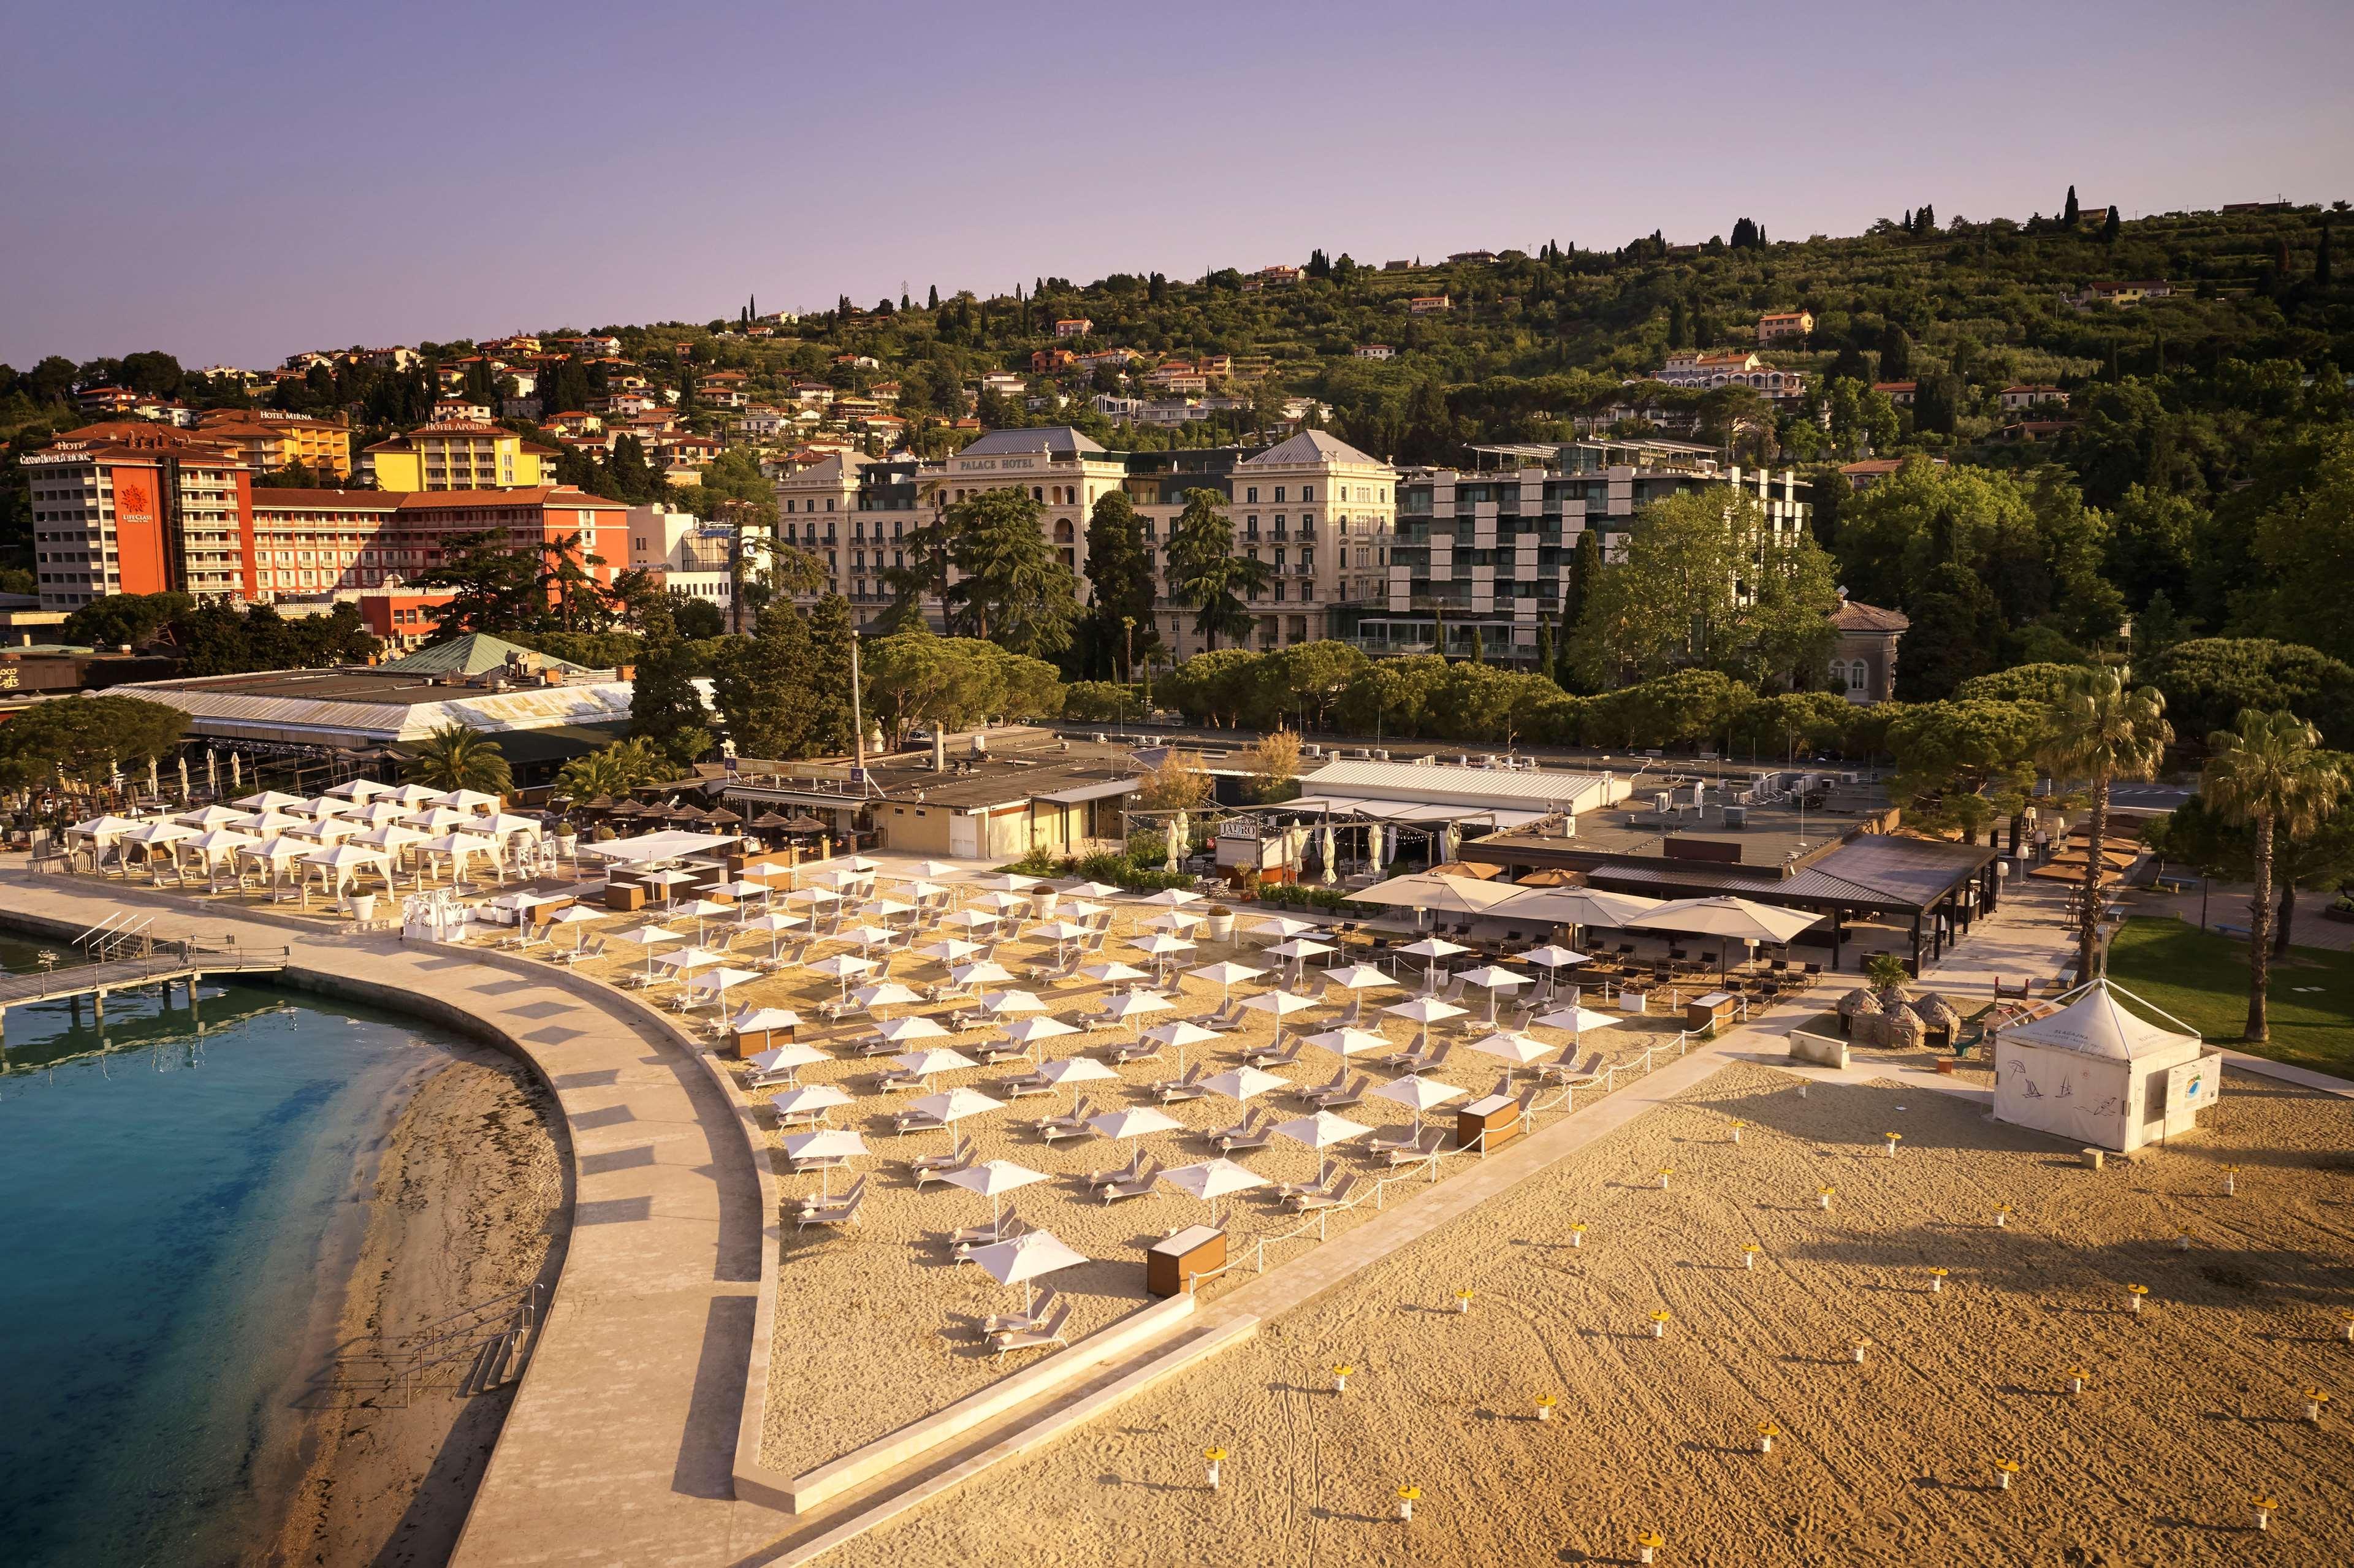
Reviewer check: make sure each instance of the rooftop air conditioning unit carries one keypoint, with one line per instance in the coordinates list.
(1662, 801)
(1381, 755)
(1737, 816)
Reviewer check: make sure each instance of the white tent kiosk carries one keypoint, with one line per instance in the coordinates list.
(2100, 1075)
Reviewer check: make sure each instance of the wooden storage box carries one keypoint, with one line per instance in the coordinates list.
(627, 897)
(1171, 1264)
(1497, 1116)
(1706, 1014)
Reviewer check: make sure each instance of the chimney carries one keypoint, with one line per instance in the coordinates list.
(939, 750)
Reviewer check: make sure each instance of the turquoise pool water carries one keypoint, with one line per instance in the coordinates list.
(175, 1207)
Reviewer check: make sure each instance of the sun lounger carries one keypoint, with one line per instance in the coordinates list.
(896, 1082)
(908, 1121)
(1254, 1125)
(1423, 1061)
(962, 1241)
(1339, 1098)
(1338, 1196)
(1032, 1081)
(1339, 1081)
(1016, 1322)
(1188, 1087)
(1416, 1148)
(1325, 1174)
(1049, 1332)
(988, 1053)
(1562, 1070)
(1126, 1051)
(1135, 1187)
(959, 1155)
(1072, 1126)
(1230, 1014)
(1351, 1016)
(1128, 1173)
(840, 1210)
(1261, 1056)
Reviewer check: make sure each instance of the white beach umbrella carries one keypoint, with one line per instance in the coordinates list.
(1225, 975)
(988, 972)
(1008, 1004)
(809, 1101)
(1321, 1132)
(1113, 972)
(971, 919)
(1161, 945)
(1075, 1070)
(1494, 977)
(688, 960)
(1349, 1042)
(1174, 898)
(1282, 927)
(1282, 1004)
(791, 1057)
(1030, 1030)
(813, 897)
(1430, 949)
(1180, 920)
(914, 1026)
(955, 1105)
(1024, 1260)
(993, 1179)
(1244, 1083)
(828, 1146)
(1130, 1005)
(1006, 897)
(580, 917)
(932, 1059)
(775, 926)
(1357, 977)
(1419, 1092)
(954, 950)
(1084, 889)
(866, 936)
(1133, 1121)
(762, 1020)
(844, 967)
(699, 910)
(1081, 909)
(1331, 857)
(714, 983)
(1213, 1179)
(889, 993)
(646, 939)
(1518, 1049)
(1181, 1033)
(1578, 1020)
(1552, 956)
(1424, 1011)
(930, 870)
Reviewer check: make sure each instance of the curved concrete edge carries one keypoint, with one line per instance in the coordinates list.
(425, 1005)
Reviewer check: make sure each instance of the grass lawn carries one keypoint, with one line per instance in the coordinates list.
(2202, 979)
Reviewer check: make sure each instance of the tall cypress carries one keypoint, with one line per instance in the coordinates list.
(2070, 214)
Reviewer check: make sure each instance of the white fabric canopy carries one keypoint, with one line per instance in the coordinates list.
(665, 845)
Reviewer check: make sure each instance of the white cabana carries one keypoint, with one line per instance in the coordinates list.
(2095, 1073)
(336, 867)
(647, 848)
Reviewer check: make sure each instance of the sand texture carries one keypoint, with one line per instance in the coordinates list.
(2193, 1407)
(468, 1206)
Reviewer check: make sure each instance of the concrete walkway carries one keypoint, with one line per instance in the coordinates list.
(619, 1448)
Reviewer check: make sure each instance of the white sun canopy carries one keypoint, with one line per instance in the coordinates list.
(647, 848)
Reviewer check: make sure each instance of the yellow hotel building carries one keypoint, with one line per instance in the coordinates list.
(459, 455)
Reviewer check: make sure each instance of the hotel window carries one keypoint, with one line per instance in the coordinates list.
(1250, 496)
(1307, 493)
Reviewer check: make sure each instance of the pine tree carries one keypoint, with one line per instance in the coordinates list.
(2071, 212)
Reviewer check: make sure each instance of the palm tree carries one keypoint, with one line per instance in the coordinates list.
(2266, 772)
(2098, 731)
(455, 756)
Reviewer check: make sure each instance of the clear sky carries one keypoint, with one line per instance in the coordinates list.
(233, 182)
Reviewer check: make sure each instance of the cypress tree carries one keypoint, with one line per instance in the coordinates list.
(2110, 227)
(932, 302)
(1544, 646)
(2070, 214)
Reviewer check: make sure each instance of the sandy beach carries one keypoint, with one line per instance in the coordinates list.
(468, 1206)
(2192, 1407)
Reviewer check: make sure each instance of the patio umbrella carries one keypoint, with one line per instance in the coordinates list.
(1494, 977)
(1424, 1011)
(1578, 1020)
(806, 1099)
(1087, 889)
(1023, 1260)
(1134, 1004)
(1282, 927)
(686, 961)
(1213, 1179)
(1164, 947)
(1419, 1092)
(699, 910)
(1008, 883)
(1357, 977)
(1300, 949)
(955, 950)
(842, 967)
(1321, 1132)
(934, 1059)
(775, 924)
(760, 1020)
(885, 908)
(1576, 907)
(1520, 1050)
(867, 935)
(1075, 1070)
(1030, 1030)
(1737, 918)
(1243, 1083)
(714, 983)
(1060, 932)
(988, 972)
(1175, 920)
(1225, 974)
(953, 1106)
(971, 919)
(1433, 949)
(1113, 972)
(1182, 1033)
(1282, 1003)
(1331, 857)
(830, 1147)
(1004, 903)
(578, 915)
(792, 1055)
(1133, 1121)
(1553, 958)
(993, 1179)
(889, 993)
(1174, 898)
(813, 897)
(1008, 1004)
(914, 1026)
(1170, 842)
(648, 938)
(1349, 1042)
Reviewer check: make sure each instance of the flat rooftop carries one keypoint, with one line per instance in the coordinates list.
(1019, 765)
(1773, 839)
(339, 685)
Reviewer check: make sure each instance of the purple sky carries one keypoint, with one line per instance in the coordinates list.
(235, 181)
